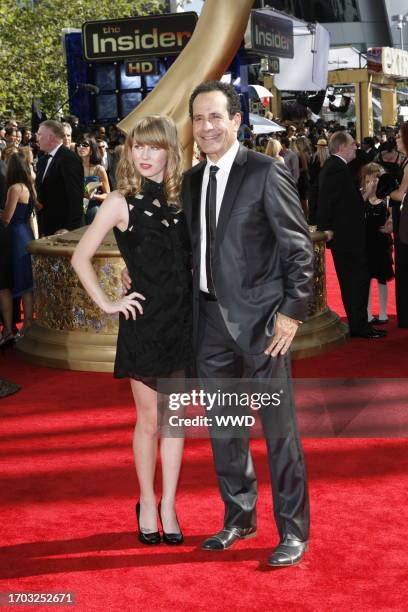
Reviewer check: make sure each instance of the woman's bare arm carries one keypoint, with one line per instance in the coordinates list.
(13, 194)
(113, 212)
(399, 193)
(104, 183)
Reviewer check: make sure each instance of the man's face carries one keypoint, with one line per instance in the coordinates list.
(67, 139)
(101, 147)
(11, 137)
(213, 129)
(348, 150)
(46, 139)
(101, 133)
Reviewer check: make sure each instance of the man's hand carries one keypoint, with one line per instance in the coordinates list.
(285, 330)
(329, 235)
(126, 281)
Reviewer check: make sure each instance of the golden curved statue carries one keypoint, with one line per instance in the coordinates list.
(215, 40)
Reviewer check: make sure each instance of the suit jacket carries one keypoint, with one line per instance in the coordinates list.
(61, 191)
(340, 207)
(263, 259)
(112, 159)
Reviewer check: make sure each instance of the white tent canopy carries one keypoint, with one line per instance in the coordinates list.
(260, 91)
(261, 125)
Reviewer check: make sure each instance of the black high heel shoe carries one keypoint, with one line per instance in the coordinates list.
(146, 538)
(7, 340)
(173, 539)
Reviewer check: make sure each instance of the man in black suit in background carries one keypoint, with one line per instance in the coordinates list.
(340, 213)
(253, 267)
(59, 182)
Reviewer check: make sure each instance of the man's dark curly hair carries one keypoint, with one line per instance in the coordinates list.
(233, 103)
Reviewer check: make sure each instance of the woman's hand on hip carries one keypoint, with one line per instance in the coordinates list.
(127, 305)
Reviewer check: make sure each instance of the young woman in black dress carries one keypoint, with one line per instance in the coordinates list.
(378, 240)
(154, 339)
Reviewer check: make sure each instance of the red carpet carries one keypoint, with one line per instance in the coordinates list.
(68, 489)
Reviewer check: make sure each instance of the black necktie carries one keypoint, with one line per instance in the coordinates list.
(211, 224)
(46, 157)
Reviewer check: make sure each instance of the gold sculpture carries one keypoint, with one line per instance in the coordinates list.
(215, 40)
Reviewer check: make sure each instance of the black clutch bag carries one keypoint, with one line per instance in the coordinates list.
(386, 185)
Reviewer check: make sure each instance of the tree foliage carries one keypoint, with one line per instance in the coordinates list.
(31, 53)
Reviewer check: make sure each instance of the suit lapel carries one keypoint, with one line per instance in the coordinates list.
(54, 157)
(41, 164)
(236, 176)
(194, 207)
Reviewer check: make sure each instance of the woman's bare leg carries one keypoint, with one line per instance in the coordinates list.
(145, 451)
(171, 452)
(28, 309)
(6, 309)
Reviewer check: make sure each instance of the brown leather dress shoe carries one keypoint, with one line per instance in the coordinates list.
(227, 537)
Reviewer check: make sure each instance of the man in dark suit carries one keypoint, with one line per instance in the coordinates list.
(59, 182)
(340, 213)
(109, 160)
(368, 146)
(253, 266)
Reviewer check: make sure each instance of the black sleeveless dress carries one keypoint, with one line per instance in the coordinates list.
(379, 245)
(156, 250)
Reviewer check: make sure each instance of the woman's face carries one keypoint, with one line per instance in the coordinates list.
(371, 182)
(83, 149)
(400, 144)
(150, 161)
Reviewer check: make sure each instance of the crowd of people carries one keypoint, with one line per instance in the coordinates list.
(58, 163)
(366, 222)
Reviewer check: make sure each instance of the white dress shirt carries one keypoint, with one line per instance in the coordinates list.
(340, 157)
(224, 164)
(51, 153)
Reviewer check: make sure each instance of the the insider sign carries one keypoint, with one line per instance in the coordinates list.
(113, 39)
(269, 34)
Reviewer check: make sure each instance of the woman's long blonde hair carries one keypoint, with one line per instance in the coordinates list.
(273, 148)
(371, 169)
(159, 131)
(322, 154)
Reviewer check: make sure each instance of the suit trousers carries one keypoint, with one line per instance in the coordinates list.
(354, 281)
(219, 356)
